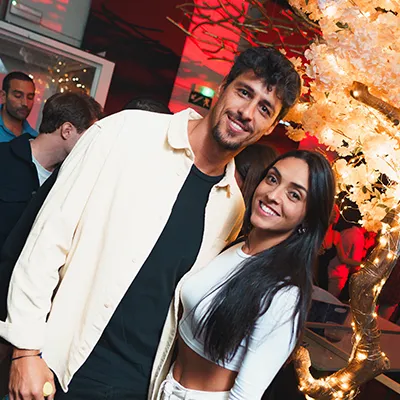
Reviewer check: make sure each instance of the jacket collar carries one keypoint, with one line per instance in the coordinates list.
(178, 139)
(21, 147)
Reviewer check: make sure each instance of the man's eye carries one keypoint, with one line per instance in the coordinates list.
(17, 95)
(244, 92)
(265, 110)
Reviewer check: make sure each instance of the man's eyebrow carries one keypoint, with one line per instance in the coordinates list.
(246, 86)
(251, 90)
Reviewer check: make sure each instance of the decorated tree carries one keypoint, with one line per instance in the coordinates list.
(354, 90)
(352, 109)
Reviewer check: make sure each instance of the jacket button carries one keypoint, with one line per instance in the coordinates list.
(34, 192)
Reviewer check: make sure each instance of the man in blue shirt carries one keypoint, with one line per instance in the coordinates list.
(17, 96)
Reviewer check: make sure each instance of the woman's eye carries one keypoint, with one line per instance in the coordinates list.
(271, 179)
(295, 196)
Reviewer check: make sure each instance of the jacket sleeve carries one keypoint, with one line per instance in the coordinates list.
(36, 273)
(16, 240)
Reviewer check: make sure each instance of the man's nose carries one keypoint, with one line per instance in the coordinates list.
(247, 110)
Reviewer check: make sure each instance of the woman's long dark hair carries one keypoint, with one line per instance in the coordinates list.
(248, 292)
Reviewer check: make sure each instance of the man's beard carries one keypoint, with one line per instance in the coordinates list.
(16, 115)
(225, 144)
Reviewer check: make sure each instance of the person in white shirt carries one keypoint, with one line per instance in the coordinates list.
(244, 313)
(143, 201)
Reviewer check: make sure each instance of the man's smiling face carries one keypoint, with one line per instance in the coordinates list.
(245, 111)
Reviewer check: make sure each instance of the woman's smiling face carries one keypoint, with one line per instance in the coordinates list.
(280, 200)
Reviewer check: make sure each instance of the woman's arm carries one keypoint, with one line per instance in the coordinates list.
(271, 343)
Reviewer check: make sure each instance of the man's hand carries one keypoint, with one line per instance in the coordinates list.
(28, 376)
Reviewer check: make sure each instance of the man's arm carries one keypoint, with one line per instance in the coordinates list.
(36, 273)
(17, 238)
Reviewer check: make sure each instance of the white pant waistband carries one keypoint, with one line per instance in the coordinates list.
(170, 389)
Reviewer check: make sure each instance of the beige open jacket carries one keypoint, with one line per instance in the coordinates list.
(112, 199)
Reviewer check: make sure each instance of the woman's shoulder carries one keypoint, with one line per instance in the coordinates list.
(289, 293)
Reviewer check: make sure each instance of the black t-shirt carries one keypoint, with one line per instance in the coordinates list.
(126, 350)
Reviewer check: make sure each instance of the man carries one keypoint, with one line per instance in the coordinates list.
(17, 96)
(129, 216)
(27, 163)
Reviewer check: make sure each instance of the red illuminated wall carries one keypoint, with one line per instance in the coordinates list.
(196, 68)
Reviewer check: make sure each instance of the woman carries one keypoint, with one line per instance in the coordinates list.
(244, 313)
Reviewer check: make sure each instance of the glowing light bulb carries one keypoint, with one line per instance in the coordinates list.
(331, 11)
(361, 356)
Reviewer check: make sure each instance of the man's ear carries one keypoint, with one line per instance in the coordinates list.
(271, 128)
(3, 95)
(221, 88)
(67, 130)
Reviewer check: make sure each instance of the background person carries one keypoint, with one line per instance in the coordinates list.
(250, 165)
(352, 242)
(332, 251)
(17, 97)
(147, 104)
(27, 163)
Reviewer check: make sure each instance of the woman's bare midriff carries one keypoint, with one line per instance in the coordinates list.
(195, 372)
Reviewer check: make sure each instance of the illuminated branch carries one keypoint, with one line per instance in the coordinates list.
(361, 93)
(233, 18)
(367, 360)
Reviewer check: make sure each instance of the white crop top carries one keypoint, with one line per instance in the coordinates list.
(270, 342)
